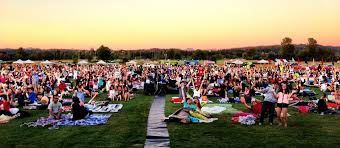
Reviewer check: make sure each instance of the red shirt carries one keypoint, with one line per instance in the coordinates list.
(198, 82)
(62, 86)
(6, 105)
(257, 108)
(2, 79)
(201, 72)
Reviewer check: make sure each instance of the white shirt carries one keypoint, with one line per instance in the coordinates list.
(197, 93)
(112, 93)
(323, 87)
(108, 85)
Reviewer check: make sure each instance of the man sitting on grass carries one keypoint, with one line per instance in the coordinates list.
(55, 108)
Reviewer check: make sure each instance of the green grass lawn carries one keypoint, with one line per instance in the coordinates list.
(124, 129)
(303, 130)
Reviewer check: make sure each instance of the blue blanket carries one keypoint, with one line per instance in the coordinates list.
(66, 120)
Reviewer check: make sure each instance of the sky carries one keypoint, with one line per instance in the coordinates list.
(142, 24)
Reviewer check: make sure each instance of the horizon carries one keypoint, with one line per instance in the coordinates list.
(241, 48)
(181, 24)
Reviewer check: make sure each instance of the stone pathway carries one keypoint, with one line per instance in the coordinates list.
(157, 131)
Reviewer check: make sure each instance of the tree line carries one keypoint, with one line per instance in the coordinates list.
(287, 50)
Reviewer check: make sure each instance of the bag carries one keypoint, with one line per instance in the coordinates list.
(204, 98)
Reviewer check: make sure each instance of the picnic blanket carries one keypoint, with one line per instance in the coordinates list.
(307, 92)
(219, 108)
(66, 120)
(67, 102)
(334, 105)
(5, 119)
(244, 118)
(176, 100)
(112, 108)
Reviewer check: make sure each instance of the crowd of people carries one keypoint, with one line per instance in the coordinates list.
(48, 85)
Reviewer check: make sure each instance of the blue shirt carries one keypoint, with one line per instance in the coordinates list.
(269, 94)
(101, 82)
(32, 97)
(191, 106)
(81, 96)
(36, 77)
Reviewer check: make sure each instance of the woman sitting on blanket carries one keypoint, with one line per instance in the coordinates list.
(189, 113)
(195, 109)
(79, 111)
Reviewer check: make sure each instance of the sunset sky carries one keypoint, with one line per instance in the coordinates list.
(135, 24)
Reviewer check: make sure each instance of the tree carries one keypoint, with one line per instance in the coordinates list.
(312, 48)
(20, 53)
(287, 48)
(75, 59)
(171, 54)
(90, 55)
(200, 54)
(104, 53)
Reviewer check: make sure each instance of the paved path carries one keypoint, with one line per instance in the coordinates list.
(157, 131)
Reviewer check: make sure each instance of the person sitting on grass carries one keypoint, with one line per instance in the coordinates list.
(5, 105)
(95, 89)
(189, 113)
(194, 109)
(55, 108)
(198, 87)
(183, 90)
(322, 105)
(80, 94)
(78, 110)
(31, 95)
(255, 107)
(337, 96)
(119, 95)
(126, 94)
(111, 94)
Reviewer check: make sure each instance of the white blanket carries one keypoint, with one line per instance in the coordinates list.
(213, 110)
(113, 108)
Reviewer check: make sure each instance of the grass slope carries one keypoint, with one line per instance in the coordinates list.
(124, 129)
(303, 130)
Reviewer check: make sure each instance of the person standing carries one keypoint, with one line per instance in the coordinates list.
(268, 103)
(282, 103)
